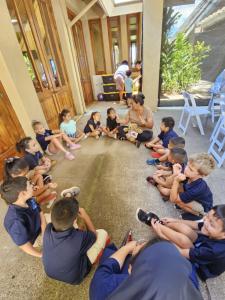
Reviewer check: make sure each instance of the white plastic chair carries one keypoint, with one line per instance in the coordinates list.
(214, 105)
(220, 120)
(216, 148)
(191, 110)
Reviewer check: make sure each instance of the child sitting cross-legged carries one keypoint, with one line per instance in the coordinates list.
(189, 190)
(161, 162)
(69, 127)
(93, 127)
(163, 179)
(202, 242)
(160, 143)
(42, 190)
(37, 162)
(68, 252)
(24, 221)
(112, 123)
(51, 140)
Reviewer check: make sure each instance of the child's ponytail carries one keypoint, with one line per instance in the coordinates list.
(23, 144)
(62, 115)
(14, 166)
(93, 114)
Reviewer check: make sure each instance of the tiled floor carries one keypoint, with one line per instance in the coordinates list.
(111, 175)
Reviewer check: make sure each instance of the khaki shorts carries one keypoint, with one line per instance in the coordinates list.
(196, 206)
(119, 82)
(96, 250)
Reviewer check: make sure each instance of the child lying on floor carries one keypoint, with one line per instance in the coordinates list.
(164, 179)
(51, 140)
(68, 252)
(175, 142)
(160, 143)
(189, 191)
(202, 242)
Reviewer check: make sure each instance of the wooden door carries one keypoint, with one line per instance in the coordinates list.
(10, 129)
(78, 38)
(37, 35)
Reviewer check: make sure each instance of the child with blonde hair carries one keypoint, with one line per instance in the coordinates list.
(196, 198)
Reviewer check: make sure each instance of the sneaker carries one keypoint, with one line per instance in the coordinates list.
(152, 162)
(150, 180)
(155, 154)
(69, 156)
(75, 146)
(165, 199)
(73, 191)
(47, 178)
(128, 238)
(145, 217)
(122, 138)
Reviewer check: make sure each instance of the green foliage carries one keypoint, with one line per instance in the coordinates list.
(180, 60)
(29, 65)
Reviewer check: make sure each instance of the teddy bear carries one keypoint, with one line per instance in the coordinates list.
(132, 132)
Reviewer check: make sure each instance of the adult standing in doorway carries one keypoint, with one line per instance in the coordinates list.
(120, 76)
(138, 66)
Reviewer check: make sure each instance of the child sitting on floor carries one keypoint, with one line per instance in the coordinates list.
(68, 252)
(51, 141)
(112, 123)
(69, 126)
(160, 143)
(161, 162)
(196, 197)
(18, 167)
(164, 179)
(35, 159)
(93, 126)
(202, 242)
(24, 220)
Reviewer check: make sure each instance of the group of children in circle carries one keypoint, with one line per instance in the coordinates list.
(199, 235)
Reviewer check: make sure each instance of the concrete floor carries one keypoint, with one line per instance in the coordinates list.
(111, 175)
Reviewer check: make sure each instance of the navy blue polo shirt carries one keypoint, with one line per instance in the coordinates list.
(208, 256)
(33, 159)
(23, 224)
(106, 279)
(65, 254)
(41, 139)
(166, 136)
(199, 191)
(87, 128)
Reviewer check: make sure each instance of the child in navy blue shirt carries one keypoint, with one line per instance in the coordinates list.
(189, 191)
(68, 252)
(18, 167)
(93, 127)
(51, 141)
(160, 143)
(23, 221)
(163, 179)
(202, 242)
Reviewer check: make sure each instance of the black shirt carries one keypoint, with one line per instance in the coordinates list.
(111, 124)
(33, 159)
(41, 139)
(65, 254)
(87, 128)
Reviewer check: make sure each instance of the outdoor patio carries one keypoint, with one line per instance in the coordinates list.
(111, 175)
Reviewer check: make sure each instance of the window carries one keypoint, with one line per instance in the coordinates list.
(133, 32)
(97, 45)
(115, 41)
